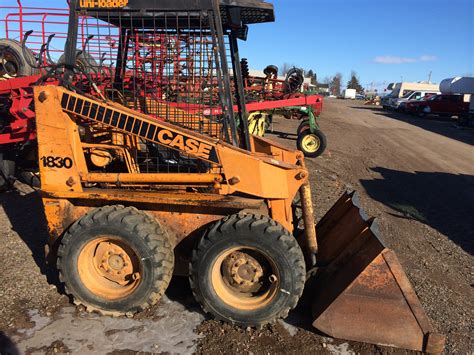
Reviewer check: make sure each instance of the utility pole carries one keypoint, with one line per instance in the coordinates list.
(429, 77)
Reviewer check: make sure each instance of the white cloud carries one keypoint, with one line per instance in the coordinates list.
(428, 58)
(388, 59)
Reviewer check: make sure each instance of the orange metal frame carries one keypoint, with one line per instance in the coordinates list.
(269, 175)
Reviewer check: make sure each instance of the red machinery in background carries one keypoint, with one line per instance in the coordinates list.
(290, 97)
(32, 51)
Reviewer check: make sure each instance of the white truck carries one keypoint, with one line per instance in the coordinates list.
(349, 94)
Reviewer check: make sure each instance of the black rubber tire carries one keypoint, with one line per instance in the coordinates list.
(304, 125)
(297, 212)
(7, 172)
(29, 177)
(142, 233)
(260, 233)
(322, 143)
(84, 61)
(14, 49)
(423, 113)
(271, 70)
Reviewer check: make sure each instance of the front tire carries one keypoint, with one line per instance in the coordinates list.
(423, 112)
(312, 144)
(247, 270)
(115, 260)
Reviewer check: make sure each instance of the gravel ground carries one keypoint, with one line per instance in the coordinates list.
(416, 176)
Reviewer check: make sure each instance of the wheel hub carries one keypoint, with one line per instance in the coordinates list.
(116, 262)
(8, 66)
(109, 268)
(242, 271)
(245, 278)
(311, 143)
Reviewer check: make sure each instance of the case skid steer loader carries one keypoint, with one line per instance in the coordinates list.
(137, 186)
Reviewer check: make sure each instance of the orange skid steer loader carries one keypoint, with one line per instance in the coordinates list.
(134, 193)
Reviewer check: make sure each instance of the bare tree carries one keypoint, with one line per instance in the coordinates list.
(335, 85)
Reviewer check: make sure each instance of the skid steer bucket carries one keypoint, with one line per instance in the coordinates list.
(361, 290)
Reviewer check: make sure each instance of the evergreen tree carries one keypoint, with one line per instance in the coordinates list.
(354, 83)
(314, 78)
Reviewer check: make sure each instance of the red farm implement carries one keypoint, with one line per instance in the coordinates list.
(289, 97)
(32, 53)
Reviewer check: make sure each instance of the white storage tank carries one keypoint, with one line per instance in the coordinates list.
(458, 85)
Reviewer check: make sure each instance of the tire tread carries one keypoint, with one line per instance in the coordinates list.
(269, 228)
(146, 228)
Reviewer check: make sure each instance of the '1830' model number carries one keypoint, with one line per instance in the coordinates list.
(56, 162)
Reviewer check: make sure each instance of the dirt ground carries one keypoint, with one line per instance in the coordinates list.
(415, 175)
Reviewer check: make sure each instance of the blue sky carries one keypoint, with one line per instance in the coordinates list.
(382, 40)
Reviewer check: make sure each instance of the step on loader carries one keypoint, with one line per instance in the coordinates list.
(134, 195)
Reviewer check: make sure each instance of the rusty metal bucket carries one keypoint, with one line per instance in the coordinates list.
(361, 290)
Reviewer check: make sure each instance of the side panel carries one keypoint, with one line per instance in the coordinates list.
(61, 160)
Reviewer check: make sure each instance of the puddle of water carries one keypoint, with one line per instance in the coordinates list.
(291, 329)
(341, 349)
(90, 333)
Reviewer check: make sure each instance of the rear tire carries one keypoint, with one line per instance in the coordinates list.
(7, 172)
(247, 270)
(13, 63)
(304, 125)
(31, 178)
(311, 144)
(115, 260)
